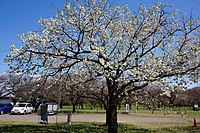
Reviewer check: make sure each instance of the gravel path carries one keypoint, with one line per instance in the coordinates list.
(122, 118)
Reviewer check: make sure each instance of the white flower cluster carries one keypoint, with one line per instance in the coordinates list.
(144, 46)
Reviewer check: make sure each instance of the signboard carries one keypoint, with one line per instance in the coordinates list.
(127, 108)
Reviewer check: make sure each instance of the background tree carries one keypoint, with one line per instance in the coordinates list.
(31, 89)
(96, 90)
(152, 98)
(193, 96)
(8, 84)
(73, 88)
(112, 44)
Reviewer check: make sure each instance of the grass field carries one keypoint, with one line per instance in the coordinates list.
(21, 127)
(185, 111)
(26, 127)
(123, 107)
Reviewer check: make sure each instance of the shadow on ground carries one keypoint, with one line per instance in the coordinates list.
(61, 128)
(87, 128)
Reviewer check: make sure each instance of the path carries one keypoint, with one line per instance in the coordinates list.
(122, 118)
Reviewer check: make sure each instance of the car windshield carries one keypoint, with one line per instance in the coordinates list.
(8, 104)
(20, 105)
(1, 105)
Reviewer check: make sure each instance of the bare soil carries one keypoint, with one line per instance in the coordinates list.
(122, 118)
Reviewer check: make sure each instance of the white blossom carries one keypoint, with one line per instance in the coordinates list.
(144, 46)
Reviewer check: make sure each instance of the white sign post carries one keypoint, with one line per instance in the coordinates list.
(127, 108)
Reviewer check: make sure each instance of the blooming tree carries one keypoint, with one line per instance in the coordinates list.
(114, 44)
(8, 84)
(74, 90)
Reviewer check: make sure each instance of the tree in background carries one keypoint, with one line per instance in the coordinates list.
(112, 44)
(193, 96)
(8, 84)
(152, 98)
(74, 89)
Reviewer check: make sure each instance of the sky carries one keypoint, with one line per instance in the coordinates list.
(20, 16)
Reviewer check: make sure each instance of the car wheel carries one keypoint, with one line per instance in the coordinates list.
(1, 112)
(24, 112)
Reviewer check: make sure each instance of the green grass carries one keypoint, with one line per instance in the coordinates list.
(133, 107)
(193, 114)
(168, 127)
(141, 111)
(22, 127)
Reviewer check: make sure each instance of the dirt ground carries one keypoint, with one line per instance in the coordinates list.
(122, 118)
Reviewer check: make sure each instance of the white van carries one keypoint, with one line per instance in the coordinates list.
(22, 108)
(52, 108)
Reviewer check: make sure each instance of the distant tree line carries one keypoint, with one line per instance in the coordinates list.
(69, 89)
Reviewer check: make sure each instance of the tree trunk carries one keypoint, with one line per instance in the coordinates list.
(119, 106)
(111, 112)
(82, 106)
(61, 104)
(111, 115)
(74, 108)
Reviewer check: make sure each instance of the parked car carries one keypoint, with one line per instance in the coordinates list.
(5, 108)
(22, 108)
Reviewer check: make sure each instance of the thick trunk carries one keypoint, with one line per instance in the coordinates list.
(111, 112)
(74, 108)
(111, 115)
